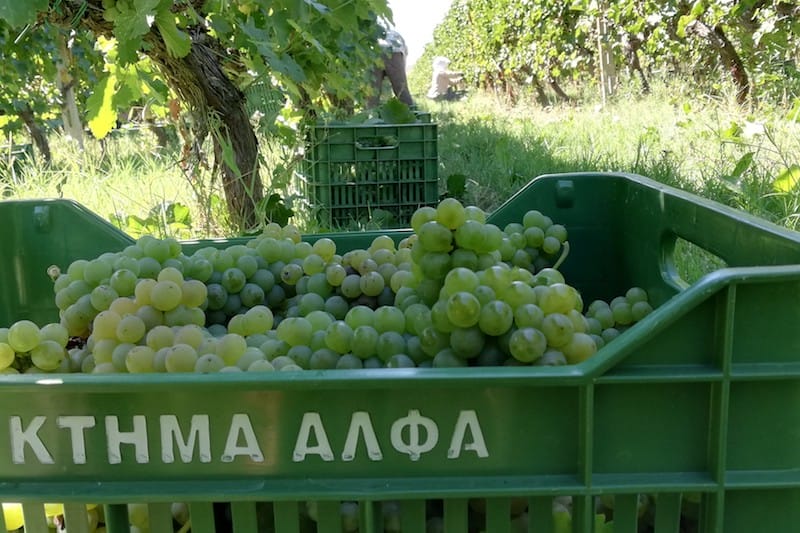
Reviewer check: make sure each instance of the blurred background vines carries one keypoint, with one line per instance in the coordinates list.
(185, 118)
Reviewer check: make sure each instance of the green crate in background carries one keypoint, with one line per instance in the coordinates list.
(693, 409)
(13, 157)
(356, 173)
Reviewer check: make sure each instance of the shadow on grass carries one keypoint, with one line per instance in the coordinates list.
(496, 162)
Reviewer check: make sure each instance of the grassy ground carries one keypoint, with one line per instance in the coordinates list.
(692, 145)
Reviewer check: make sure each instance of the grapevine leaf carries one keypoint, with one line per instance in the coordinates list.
(127, 51)
(100, 106)
(396, 112)
(698, 8)
(283, 64)
(180, 213)
(178, 42)
(683, 22)
(732, 133)
(307, 36)
(457, 185)
(319, 7)
(794, 112)
(742, 165)
(787, 179)
(134, 19)
(18, 14)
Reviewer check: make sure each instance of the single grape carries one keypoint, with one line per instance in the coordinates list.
(451, 213)
(301, 355)
(261, 365)
(339, 336)
(389, 318)
(467, 343)
(295, 331)
(140, 359)
(149, 268)
(151, 316)
(251, 295)
(435, 237)
(349, 361)
(636, 294)
(264, 279)
(552, 357)
(230, 348)
(7, 355)
(250, 355)
(259, 319)
(182, 358)
(24, 336)
(193, 293)
(190, 334)
(390, 343)
(535, 218)
(439, 318)
(248, 264)
(131, 329)
(143, 290)
(102, 296)
(432, 341)
(48, 355)
(325, 248)
(579, 349)
(517, 293)
(558, 329)
(160, 360)
(527, 344)
(160, 337)
(558, 231)
(557, 298)
(417, 317)
(460, 279)
(209, 363)
(435, 265)
(469, 235)
(233, 280)
(421, 216)
(640, 309)
(364, 341)
(446, 358)
(96, 271)
(200, 269)
(463, 309)
(496, 317)
(623, 313)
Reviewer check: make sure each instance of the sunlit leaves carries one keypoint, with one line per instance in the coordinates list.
(787, 179)
(100, 107)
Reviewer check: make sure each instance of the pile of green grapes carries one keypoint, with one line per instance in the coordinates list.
(456, 292)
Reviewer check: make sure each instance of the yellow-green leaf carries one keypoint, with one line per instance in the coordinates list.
(787, 179)
(101, 112)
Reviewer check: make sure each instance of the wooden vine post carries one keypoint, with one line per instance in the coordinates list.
(608, 73)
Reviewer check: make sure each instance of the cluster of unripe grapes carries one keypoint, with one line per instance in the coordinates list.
(457, 291)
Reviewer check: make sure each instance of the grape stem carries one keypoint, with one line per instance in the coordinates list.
(563, 256)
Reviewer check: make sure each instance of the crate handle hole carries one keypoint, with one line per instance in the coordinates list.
(691, 262)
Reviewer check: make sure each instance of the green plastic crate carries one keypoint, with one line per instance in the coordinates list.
(356, 173)
(695, 406)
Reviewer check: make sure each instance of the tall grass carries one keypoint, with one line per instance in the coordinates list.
(698, 143)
